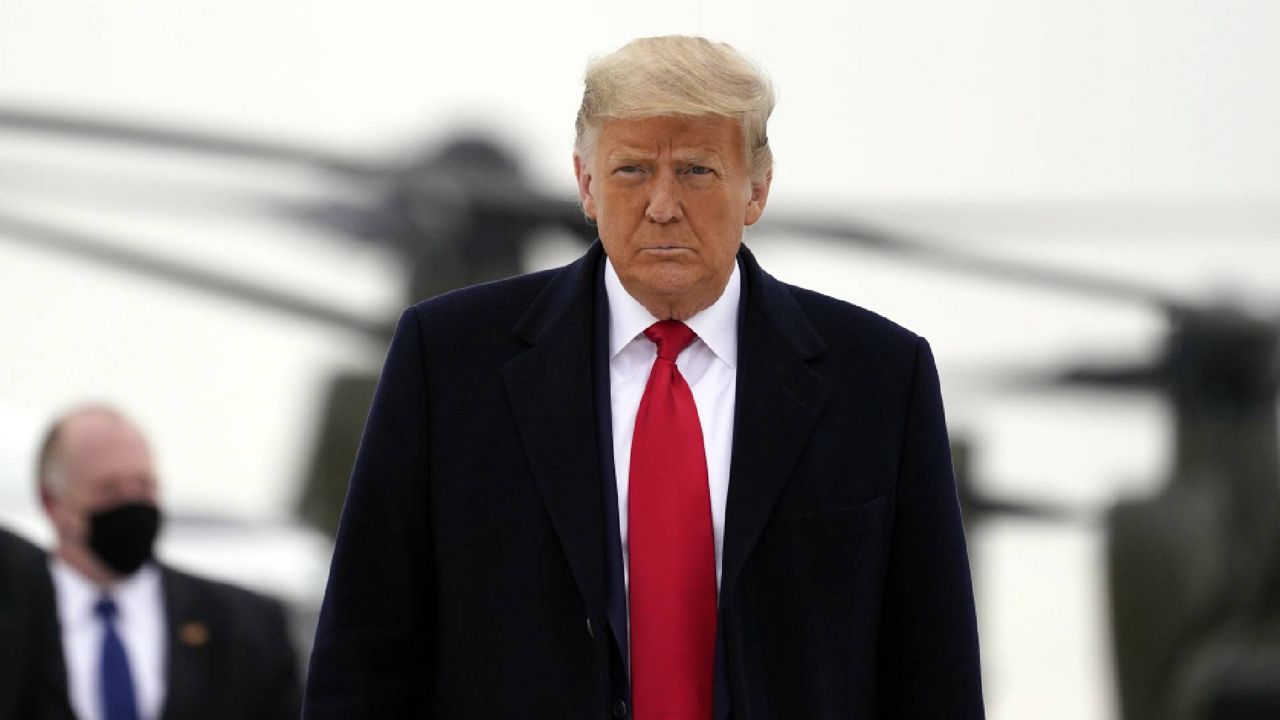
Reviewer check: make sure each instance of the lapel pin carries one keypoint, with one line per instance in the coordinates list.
(193, 634)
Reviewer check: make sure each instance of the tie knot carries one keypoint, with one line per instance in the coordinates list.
(105, 608)
(671, 337)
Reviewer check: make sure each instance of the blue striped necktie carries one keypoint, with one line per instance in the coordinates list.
(118, 702)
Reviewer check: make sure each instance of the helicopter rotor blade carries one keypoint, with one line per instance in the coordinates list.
(49, 237)
(1143, 377)
(100, 129)
(194, 200)
(504, 198)
(537, 208)
(938, 254)
(1135, 377)
(984, 508)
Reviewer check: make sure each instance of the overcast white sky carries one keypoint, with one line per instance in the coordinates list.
(907, 99)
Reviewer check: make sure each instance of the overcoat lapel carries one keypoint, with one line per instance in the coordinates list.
(779, 398)
(780, 395)
(550, 389)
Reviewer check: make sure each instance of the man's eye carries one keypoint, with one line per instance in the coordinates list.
(629, 169)
(699, 170)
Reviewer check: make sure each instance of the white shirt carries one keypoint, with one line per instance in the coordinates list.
(140, 623)
(709, 365)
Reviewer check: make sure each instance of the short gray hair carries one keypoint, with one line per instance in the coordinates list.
(679, 75)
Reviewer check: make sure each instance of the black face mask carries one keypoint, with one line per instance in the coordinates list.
(122, 536)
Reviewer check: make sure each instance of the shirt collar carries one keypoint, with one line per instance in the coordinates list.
(716, 326)
(77, 594)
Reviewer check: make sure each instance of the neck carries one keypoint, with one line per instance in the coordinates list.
(82, 561)
(674, 310)
(678, 306)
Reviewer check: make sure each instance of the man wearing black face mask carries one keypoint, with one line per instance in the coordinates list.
(138, 639)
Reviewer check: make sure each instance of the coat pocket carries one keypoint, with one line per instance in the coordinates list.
(843, 522)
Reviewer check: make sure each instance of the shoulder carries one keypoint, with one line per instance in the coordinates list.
(501, 302)
(848, 318)
(516, 291)
(467, 329)
(850, 330)
(494, 320)
(21, 561)
(235, 603)
(860, 352)
(246, 640)
(18, 551)
(843, 327)
(477, 319)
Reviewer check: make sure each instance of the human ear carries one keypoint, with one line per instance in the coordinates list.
(583, 174)
(47, 500)
(759, 196)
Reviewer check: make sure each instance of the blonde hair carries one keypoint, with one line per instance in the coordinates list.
(679, 75)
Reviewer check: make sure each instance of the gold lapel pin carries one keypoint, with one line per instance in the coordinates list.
(193, 634)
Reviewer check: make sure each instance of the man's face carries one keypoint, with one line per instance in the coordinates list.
(670, 196)
(105, 463)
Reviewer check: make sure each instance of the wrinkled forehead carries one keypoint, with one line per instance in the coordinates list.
(702, 135)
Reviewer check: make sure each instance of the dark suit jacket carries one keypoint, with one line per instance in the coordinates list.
(474, 573)
(230, 655)
(32, 678)
(229, 652)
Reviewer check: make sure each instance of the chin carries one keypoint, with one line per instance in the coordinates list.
(670, 282)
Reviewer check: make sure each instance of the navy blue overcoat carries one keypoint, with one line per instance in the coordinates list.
(477, 572)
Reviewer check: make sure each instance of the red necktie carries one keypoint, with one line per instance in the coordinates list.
(671, 553)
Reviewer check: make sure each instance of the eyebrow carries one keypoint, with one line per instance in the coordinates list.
(690, 155)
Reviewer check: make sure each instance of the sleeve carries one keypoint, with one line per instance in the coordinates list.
(929, 665)
(373, 645)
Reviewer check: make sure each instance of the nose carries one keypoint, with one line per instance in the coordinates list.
(664, 200)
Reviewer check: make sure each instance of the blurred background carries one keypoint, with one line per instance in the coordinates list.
(210, 215)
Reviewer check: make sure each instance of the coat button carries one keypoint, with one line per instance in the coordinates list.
(620, 709)
(590, 630)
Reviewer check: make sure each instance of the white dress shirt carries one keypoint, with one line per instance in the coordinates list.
(140, 623)
(709, 365)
